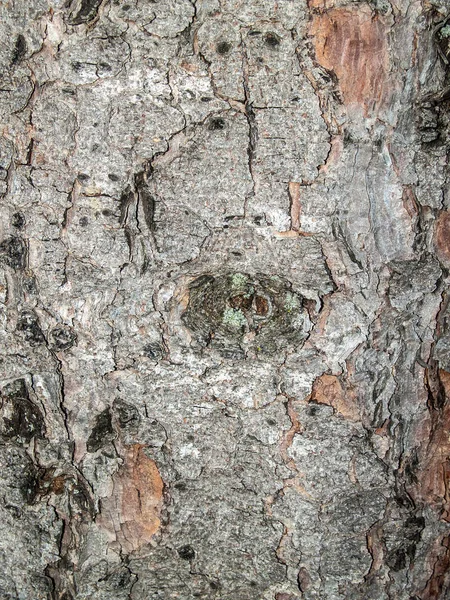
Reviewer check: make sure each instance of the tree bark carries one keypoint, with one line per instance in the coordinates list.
(224, 262)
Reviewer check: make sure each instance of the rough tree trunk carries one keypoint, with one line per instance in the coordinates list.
(225, 328)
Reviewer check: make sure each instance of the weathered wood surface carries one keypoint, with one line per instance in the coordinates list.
(224, 316)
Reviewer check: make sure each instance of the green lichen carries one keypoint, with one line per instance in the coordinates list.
(291, 302)
(234, 318)
(250, 291)
(223, 308)
(381, 6)
(239, 281)
(444, 33)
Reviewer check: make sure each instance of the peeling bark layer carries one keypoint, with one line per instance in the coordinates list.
(224, 316)
(353, 44)
(131, 513)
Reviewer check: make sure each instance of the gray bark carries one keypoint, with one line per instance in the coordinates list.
(224, 261)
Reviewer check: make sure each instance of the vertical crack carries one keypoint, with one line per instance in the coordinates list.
(252, 124)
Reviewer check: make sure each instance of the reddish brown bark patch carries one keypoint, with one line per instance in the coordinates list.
(294, 195)
(262, 306)
(442, 237)
(327, 389)
(409, 201)
(432, 478)
(353, 43)
(438, 584)
(434, 472)
(131, 515)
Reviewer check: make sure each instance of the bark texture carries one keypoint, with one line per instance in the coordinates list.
(224, 316)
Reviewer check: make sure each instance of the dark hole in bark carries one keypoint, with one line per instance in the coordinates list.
(272, 40)
(223, 47)
(217, 124)
(20, 49)
(186, 552)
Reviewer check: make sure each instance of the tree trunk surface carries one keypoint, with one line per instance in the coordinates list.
(225, 325)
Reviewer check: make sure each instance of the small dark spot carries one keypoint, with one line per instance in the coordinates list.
(253, 583)
(254, 32)
(16, 389)
(258, 220)
(234, 253)
(180, 485)
(396, 559)
(106, 212)
(313, 411)
(113, 177)
(83, 221)
(28, 324)
(87, 11)
(105, 66)
(126, 7)
(127, 414)
(29, 283)
(24, 420)
(18, 220)
(67, 596)
(413, 528)
(205, 99)
(119, 579)
(82, 177)
(146, 199)
(271, 422)
(68, 91)
(77, 66)
(214, 585)
(102, 432)
(216, 124)
(348, 138)
(13, 252)
(62, 337)
(186, 552)
(403, 500)
(20, 49)
(29, 484)
(411, 551)
(272, 40)
(203, 280)
(223, 47)
(80, 500)
(154, 351)
(14, 510)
